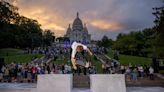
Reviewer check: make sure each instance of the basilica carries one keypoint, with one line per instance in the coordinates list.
(78, 32)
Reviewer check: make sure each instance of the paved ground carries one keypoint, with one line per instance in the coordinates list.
(146, 82)
(15, 90)
(129, 89)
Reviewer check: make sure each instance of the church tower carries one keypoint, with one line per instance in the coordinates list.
(78, 32)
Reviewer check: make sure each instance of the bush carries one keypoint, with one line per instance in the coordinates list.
(161, 72)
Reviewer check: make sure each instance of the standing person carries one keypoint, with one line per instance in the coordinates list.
(108, 67)
(78, 48)
(128, 73)
(134, 74)
(122, 69)
(146, 70)
(6, 74)
(103, 68)
(63, 69)
(151, 72)
(141, 71)
(33, 73)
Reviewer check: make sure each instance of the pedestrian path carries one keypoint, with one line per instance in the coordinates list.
(129, 89)
(146, 82)
(103, 58)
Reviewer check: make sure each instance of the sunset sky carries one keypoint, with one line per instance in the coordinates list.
(103, 17)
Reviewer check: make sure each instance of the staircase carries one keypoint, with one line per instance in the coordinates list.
(103, 58)
(81, 81)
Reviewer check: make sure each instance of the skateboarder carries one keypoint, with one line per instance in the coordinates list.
(77, 61)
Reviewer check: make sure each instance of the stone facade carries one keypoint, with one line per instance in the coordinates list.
(78, 32)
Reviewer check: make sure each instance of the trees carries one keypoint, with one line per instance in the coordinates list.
(159, 41)
(149, 41)
(135, 43)
(105, 42)
(8, 13)
(47, 37)
(19, 31)
(149, 36)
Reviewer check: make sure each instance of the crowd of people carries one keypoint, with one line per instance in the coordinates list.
(110, 67)
(132, 72)
(50, 51)
(28, 72)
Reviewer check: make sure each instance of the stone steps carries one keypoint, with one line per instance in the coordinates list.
(81, 81)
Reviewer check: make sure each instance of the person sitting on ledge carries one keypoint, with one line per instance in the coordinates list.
(78, 48)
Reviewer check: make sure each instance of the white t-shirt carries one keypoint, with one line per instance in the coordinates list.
(74, 46)
(141, 69)
(151, 70)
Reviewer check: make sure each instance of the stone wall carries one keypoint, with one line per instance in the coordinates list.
(107, 83)
(54, 83)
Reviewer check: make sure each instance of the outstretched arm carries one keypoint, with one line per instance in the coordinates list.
(73, 61)
(89, 51)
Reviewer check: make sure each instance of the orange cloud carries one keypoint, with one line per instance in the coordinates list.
(53, 26)
(105, 25)
(48, 21)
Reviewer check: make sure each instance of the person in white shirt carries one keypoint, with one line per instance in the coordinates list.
(78, 47)
(151, 72)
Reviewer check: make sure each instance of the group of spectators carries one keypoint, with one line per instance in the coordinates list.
(50, 51)
(110, 67)
(131, 72)
(28, 72)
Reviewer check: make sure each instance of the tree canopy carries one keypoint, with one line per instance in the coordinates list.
(18, 31)
(137, 43)
(159, 41)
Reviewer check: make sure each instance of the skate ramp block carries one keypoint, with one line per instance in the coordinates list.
(107, 83)
(54, 83)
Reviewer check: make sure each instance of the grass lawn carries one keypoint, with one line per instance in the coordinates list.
(10, 52)
(97, 64)
(134, 60)
(16, 56)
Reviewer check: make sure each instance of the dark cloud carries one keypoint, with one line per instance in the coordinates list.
(127, 14)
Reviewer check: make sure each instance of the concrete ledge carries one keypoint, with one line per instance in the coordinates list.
(54, 83)
(107, 83)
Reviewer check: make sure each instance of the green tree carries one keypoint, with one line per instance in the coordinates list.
(149, 36)
(131, 44)
(105, 42)
(18, 31)
(159, 41)
(8, 13)
(47, 37)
